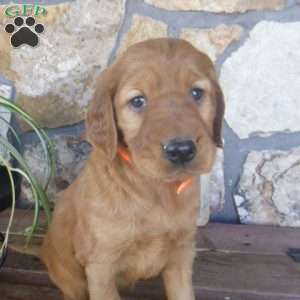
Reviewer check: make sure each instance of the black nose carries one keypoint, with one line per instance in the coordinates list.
(180, 151)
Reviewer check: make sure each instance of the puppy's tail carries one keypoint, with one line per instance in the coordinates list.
(29, 250)
(20, 245)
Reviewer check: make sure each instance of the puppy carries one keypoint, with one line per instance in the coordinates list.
(155, 123)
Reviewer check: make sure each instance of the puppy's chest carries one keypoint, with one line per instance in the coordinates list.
(152, 244)
(144, 258)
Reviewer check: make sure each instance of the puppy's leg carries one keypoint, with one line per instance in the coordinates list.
(67, 274)
(72, 285)
(101, 282)
(177, 275)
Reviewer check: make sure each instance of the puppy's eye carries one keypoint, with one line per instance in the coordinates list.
(197, 94)
(137, 102)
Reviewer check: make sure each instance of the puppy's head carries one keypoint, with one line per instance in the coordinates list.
(162, 102)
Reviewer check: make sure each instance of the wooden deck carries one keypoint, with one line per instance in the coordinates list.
(234, 262)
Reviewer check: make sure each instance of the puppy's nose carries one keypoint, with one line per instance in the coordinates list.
(180, 151)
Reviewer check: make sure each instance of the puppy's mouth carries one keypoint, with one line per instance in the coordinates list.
(169, 172)
(180, 176)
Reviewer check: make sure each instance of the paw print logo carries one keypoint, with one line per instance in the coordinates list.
(24, 34)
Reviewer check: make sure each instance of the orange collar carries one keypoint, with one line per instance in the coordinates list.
(124, 155)
(182, 186)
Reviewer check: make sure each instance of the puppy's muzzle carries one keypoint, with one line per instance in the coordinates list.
(179, 151)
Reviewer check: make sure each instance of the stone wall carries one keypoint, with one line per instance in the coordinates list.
(255, 47)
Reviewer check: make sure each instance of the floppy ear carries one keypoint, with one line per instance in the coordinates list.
(219, 116)
(100, 120)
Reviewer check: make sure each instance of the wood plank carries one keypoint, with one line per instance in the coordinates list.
(24, 292)
(22, 219)
(215, 274)
(250, 239)
(27, 277)
(18, 260)
(29, 292)
(153, 289)
(248, 273)
(255, 239)
(222, 237)
(236, 261)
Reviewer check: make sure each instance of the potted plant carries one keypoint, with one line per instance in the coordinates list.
(9, 172)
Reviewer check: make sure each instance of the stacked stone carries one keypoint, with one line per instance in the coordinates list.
(255, 46)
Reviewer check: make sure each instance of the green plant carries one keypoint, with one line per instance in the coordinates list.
(38, 190)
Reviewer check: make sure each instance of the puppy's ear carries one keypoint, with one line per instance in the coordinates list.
(219, 116)
(100, 120)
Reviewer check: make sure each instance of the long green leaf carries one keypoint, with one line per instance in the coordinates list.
(42, 197)
(35, 222)
(11, 217)
(11, 129)
(45, 141)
